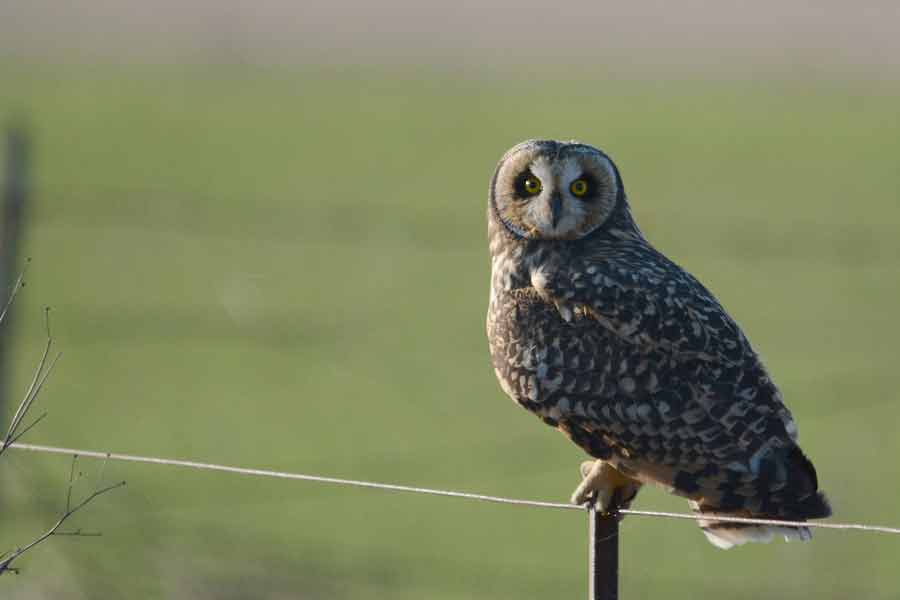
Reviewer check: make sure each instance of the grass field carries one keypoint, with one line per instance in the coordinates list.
(288, 269)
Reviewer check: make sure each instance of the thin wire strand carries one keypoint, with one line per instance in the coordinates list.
(751, 521)
(435, 492)
(283, 475)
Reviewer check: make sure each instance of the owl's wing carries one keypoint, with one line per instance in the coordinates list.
(651, 303)
(706, 420)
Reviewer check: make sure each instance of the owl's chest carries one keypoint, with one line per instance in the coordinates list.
(537, 355)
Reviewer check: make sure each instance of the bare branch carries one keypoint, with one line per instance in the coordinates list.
(6, 559)
(71, 482)
(79, 533)
(18, 285)
(29, 398)
(42, 372)
(28, 428)
(16, 431)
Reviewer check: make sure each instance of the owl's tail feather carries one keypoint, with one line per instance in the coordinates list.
(796, 498)
(727, 535)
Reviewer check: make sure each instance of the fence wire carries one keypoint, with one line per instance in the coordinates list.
(190, 464)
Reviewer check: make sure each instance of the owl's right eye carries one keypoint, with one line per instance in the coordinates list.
(529, 185)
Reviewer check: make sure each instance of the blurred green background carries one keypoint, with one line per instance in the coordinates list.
(285, 267)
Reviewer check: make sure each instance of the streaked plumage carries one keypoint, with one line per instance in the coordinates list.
(603, 337)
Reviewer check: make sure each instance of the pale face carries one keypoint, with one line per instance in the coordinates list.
(554, 191)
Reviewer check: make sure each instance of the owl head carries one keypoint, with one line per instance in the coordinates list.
(553, 190)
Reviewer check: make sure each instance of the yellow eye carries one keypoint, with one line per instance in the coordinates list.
(579, 188)
(532, 185)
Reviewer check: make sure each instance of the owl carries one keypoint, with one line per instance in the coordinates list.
(604, 338)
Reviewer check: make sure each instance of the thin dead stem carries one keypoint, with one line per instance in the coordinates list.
(7, 559)
(18, 285)
(42, 372)
(17, 429)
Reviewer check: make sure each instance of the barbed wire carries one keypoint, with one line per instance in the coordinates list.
(190, 464)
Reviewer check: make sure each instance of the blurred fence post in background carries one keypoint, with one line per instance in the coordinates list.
(603, 534)
(15, 190)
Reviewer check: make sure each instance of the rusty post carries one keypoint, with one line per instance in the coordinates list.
(13, 201)
(603, 555)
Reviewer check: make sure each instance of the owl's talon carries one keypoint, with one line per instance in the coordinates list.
(605, 487)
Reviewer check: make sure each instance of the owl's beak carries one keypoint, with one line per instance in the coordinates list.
(555, 208)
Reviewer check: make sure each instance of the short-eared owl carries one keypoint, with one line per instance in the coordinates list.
(604, 338)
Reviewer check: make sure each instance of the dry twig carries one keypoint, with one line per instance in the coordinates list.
(7, 558)
(18, 285)
(16, 430)
(44, 368)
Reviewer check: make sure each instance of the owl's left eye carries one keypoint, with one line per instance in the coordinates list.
(579, 188)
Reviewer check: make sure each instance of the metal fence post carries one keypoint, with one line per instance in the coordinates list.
(603, 555)
(13, 199)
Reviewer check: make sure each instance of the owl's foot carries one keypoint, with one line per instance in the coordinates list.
(605, 486)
